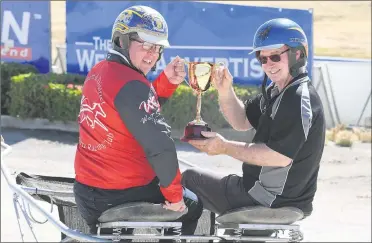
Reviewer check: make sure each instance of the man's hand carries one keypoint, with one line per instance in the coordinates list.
(175, 71)
(177, 207)
(213, 145)
(222, 79)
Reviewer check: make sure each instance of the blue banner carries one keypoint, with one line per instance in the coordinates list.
(197, 32)
(25, 33)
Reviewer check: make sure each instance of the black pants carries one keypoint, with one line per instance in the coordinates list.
(218, 193)
(92, 202)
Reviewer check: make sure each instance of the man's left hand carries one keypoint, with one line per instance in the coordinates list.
(175, 71)
(214, 143)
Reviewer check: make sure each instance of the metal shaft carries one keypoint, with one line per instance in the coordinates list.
(198, 107)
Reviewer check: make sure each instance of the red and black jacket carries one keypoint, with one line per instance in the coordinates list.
(124, 141)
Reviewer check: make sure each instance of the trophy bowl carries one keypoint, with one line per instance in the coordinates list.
(200, 79)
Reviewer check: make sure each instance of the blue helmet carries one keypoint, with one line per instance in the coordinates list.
(148, 23)
(276, 33)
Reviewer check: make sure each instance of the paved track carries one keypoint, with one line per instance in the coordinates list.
(342, 204)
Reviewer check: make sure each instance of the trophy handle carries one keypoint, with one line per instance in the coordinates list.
(214, 67)
(190, 72)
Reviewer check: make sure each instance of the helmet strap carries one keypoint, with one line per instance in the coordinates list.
(263, 90)
(121, 45)
(153, 69)
(296, 67)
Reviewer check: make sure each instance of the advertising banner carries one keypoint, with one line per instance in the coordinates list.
(25, 33)
(198, 31)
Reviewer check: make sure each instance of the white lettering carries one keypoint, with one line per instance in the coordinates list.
(101, 44)
(236, 62)
(96, 40)
(239, 67)
(257, 71)
(99, 57)
(24, 53)
(20, 32)
(85, 59)
(109, 44)
(246, 67)
(13, 52)
(225, 61)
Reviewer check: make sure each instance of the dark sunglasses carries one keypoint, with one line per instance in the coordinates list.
(149, 46)
(274, 58)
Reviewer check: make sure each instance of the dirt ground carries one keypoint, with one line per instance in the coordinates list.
(342, 206)
(341, 28)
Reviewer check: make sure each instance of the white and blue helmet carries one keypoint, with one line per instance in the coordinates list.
(148, 23)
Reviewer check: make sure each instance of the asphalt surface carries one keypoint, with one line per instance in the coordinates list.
(342, 207)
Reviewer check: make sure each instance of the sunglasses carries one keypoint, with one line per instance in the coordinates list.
(149, 46)
(274, 58)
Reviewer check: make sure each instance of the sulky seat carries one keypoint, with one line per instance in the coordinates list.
(261, 215)
(150, 221)
(139, 212)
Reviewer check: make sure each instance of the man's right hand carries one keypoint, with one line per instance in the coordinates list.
(222, 80)
(178, 207)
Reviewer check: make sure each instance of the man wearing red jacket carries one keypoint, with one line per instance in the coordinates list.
(125, 152)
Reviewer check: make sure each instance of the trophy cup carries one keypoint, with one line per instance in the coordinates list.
(200, 78)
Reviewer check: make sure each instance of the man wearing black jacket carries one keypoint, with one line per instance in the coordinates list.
(280, 166)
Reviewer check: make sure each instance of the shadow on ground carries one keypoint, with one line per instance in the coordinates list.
(184, 147)
(14, 135)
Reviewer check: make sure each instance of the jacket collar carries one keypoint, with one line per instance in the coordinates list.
(115, 56)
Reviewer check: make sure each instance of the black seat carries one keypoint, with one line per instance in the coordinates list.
(261, 215)
(139, 212)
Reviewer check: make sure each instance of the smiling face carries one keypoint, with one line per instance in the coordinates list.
(278, 72)
(141, 58)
